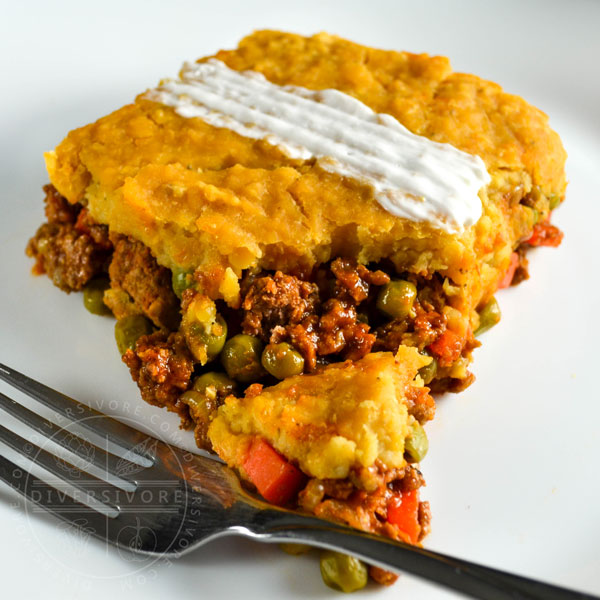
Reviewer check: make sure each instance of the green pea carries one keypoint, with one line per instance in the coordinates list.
(241, 358)
(428, 372)
(488, 317)
(205, 341)
(222, 385)
(197, 401)
(129, 329)
(396, 298)
(93, 296)
(181, 280)
(554, 201)
(342, 572)
(203, 408)
(295, 549)
(281, 360)
(417, 444)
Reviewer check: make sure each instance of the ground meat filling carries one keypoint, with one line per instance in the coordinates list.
(340, 332)
(429, 331)
(281, 300)
(140, 285)
(57, 209)
(421, 331)
(362, 500)
(98, 233)
(66, 247)
(352, 280)
(162, 366)
(420, 404)
(328, 315)
(318, 319)
(382, 576)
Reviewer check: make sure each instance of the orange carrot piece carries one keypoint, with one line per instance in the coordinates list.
(403, 511)
(276, 479)
(545, 234)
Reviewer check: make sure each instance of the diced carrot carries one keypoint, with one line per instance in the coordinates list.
(510, 273)
(403, 511)
(545, 234)
(276, 479)
(447, 348)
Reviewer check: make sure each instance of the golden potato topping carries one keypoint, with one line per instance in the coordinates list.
(205, 197)
(348, 415)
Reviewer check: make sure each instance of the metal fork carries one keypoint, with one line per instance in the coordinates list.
(152, 498)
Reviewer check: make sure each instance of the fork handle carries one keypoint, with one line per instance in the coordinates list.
(463, 576)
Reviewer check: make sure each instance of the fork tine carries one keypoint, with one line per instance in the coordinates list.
(44, 495)
(120, 434)
(73, 443)
(95, 488)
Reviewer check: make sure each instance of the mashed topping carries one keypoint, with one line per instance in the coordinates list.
(204, 197)
(412, 177)
(348, 415)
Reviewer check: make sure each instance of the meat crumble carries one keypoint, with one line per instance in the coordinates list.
(328, 315)
(277, 301)
(162, 366)
(64, 248)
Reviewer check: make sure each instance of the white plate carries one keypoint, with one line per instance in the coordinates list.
(513, 467)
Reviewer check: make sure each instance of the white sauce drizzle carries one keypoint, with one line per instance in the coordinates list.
(411, 176)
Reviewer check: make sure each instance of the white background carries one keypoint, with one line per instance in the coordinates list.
(512, 473)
